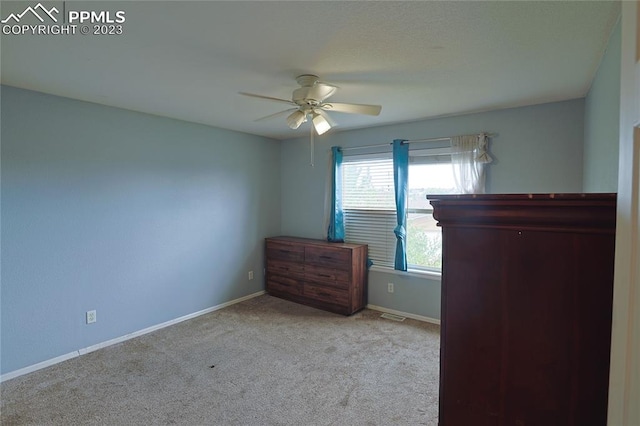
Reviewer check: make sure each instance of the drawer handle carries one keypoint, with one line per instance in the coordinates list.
(326, 257)
(324, 275)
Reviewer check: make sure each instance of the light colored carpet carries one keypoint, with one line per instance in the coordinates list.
(264, 361)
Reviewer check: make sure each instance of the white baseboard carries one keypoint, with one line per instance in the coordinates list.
(38, 366)
(404, 314)
(74, 354)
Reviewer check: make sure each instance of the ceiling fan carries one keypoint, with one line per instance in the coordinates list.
(310, 103)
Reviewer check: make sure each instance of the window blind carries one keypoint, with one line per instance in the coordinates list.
(369, 206)
(375, 228)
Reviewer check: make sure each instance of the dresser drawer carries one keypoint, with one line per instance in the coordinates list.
(285, 251)
(280, 284)
(285, 268)
(327, 294)
(329, 257)
(323, 275)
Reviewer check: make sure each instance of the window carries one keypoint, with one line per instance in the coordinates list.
(427, 175)
(369, 205)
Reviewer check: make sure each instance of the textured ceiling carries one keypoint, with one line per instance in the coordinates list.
(418, 59)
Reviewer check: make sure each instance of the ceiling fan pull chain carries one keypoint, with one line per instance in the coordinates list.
(311, 145)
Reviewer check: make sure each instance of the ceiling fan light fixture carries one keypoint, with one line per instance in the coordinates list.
(296, 119)
(320, 124)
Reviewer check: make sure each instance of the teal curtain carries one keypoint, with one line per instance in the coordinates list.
(401, 182)
(336, 221)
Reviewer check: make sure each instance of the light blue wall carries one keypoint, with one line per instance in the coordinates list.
(147, 219)
(143, 218)
(602, 121)
(536, 149)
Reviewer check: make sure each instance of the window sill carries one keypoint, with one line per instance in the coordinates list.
(410, 273)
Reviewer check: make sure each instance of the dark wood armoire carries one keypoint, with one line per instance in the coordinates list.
(527, 287)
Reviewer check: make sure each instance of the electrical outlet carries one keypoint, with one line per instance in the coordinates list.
(250, 275)
(91, 317)
(390, 287)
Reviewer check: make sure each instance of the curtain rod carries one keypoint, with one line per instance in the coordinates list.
(409, 141)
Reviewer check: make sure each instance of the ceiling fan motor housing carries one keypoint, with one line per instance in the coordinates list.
(307, 80)
(313, 92)
(312, 96)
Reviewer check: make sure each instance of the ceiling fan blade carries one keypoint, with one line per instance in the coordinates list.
(277, 114)
(268, 98)
(353, 108)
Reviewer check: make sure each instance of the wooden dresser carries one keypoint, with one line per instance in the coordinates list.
(527, 286)
(329, 276)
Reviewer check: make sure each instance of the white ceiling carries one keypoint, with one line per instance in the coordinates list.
(418, 59)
